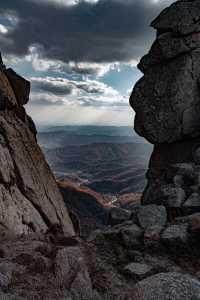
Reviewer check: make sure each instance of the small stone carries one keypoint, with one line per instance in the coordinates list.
(178, 181)
(2, 253)
(194, 223)
(186, 170)
(24, 259)
(135, 256)
(175, 238)
(193, 200)
(118, 215)
(81, 288)
(132, 236)
(138, 271)
(171, 196)
(151, 215)
(196, 155)
(68, 262)
(34, 263)
(6, 271)
(134, 208)
(152, 236)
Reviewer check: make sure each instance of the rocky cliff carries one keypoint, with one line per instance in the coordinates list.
(29, 198)
(143, 254)
(167, 105)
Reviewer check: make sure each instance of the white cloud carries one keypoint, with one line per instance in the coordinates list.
(63, 87)
(3, 29)
(103, 101)
(66, 2)
(42, 64)
(60, 91)
(84, 70)
(80, 115)
(88, 68)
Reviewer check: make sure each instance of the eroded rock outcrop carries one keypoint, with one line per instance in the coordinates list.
(29, 198)
(167, 105)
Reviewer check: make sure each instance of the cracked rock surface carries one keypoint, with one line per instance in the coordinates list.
(167, 105)
(29, 198)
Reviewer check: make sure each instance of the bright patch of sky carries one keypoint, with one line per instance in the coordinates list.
(83, 66)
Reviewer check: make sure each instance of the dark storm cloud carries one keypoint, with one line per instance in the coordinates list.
(110, 30)
(55, 87)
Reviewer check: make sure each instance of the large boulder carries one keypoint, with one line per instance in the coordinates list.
(166, 100)
(172, 286)
(176, 238)
(167, 105)
(151, 215)
(181, 18)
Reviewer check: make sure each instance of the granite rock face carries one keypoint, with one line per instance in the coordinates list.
(167, 105)
(167, 286)
(29, 198)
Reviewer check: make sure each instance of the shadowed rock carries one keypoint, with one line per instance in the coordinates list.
(167, 105)
(172, 286)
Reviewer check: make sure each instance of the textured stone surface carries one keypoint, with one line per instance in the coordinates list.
(194, 223)
(21, 86)
(30, 180)
(118, 215)
(7, 96)
(166, 100)
(6, 270)
(152, 236)
(196, 155)
(29, 198)
(167, 106)
(171, 286)
(68, 262)
(166, 47)
(166, 195)
(181, 18)
(151, 215)
(131, 236)
(72, 274)
(193, 200)
(175, 238)
(138, 270)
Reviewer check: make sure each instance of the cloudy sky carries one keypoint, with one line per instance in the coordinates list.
(80, 55)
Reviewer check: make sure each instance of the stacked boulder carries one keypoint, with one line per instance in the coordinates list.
(167, 105)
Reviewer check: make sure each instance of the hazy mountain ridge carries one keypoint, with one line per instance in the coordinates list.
(114, 166)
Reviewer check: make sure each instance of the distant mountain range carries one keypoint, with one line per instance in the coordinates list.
(91, 130)
(94, 157)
